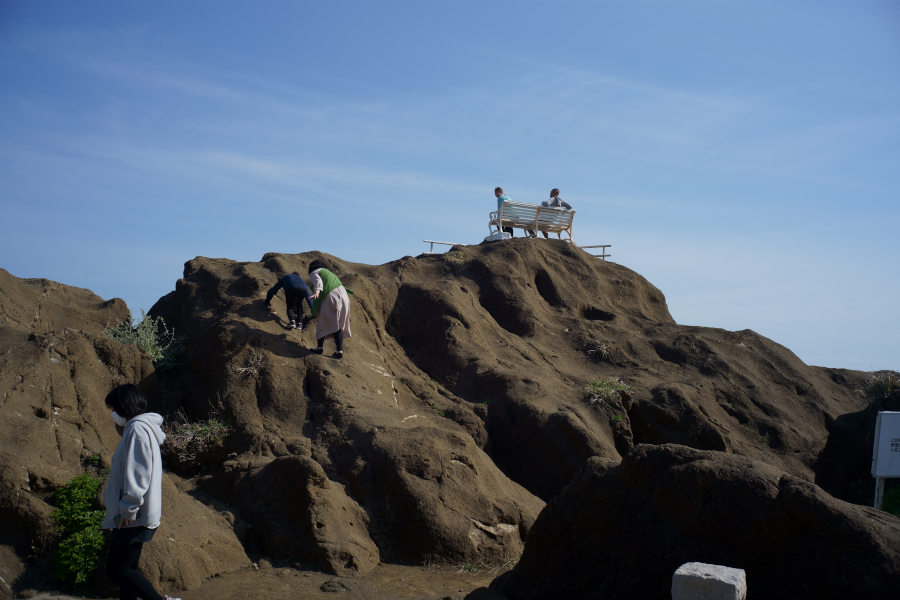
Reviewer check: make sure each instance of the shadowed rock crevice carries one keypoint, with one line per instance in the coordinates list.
(621, 530)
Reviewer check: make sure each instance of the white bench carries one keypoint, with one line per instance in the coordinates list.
(534, 217)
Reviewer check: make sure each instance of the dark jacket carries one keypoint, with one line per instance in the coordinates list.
(293, 285)
(556, 202)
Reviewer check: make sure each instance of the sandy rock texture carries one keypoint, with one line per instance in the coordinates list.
(41, 305)
(460, 405)
(343, 463)
(458, 411)
(621, 531)
(53, 418)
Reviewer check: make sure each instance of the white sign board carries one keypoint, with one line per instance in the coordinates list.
(886, 454)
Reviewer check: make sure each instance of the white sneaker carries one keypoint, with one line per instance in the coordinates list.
(292, 325)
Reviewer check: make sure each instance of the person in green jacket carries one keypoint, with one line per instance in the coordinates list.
(331, 307)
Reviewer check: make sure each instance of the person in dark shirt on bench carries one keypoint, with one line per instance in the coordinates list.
(555, 202)
(295, 292)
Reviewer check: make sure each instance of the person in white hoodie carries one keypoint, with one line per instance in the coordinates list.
(133, 496)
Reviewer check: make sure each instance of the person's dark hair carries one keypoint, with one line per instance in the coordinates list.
(316, 264)
(498, 189)
(127, 400)
(554, 192)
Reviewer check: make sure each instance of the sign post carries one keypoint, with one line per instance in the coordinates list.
(886, 453)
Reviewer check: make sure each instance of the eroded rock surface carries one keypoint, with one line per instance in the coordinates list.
(458, 409)
(621, 531)
(53, 418)
(41, 306)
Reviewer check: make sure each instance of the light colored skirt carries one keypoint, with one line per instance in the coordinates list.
(334, 314)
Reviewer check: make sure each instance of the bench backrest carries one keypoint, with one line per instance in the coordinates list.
(524, 215)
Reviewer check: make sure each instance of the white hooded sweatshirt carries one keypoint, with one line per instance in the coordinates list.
(134, 488)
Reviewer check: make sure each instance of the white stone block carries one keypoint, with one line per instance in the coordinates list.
(700, 581)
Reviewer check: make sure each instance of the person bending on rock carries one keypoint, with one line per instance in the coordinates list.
(133, 496)
(330, 307)
(555, 202)
(295, 292)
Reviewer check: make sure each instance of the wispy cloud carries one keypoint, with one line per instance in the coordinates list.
(661, 171)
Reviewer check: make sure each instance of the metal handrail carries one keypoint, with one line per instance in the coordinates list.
(433, 242)
(604, 256)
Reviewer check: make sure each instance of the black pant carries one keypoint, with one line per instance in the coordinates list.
(509, 231)
(121, 568)
(294, 306)
(338, 341)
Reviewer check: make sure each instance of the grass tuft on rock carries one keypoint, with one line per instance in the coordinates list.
(881, 385)
(455, 258)
(186, 439)
(598, 350)
(606, 389)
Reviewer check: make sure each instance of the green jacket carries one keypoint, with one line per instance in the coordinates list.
(330, 282)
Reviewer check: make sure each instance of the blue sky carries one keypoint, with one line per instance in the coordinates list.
(742, 156)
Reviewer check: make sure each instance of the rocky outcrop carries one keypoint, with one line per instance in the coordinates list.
(41, 306)
(456, 368)
(53, 419)
(457, 411)
(343, 463)
(621, 531)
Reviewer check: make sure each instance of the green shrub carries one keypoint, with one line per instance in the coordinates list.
(150, 334)
(891, 501)
(606, 389)
(81, 539)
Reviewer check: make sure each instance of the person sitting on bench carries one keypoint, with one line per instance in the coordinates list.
(555, 202)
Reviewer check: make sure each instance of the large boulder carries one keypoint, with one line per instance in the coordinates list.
(344, 463)
(621, 531)
(510, 326)
(53, 419)
(193, 543)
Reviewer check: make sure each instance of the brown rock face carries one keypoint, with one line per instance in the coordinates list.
(622, 531)
(41, 306)
(462, 382)
(345, 463)
(52, 418)
(458, 409)
(193, 543)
